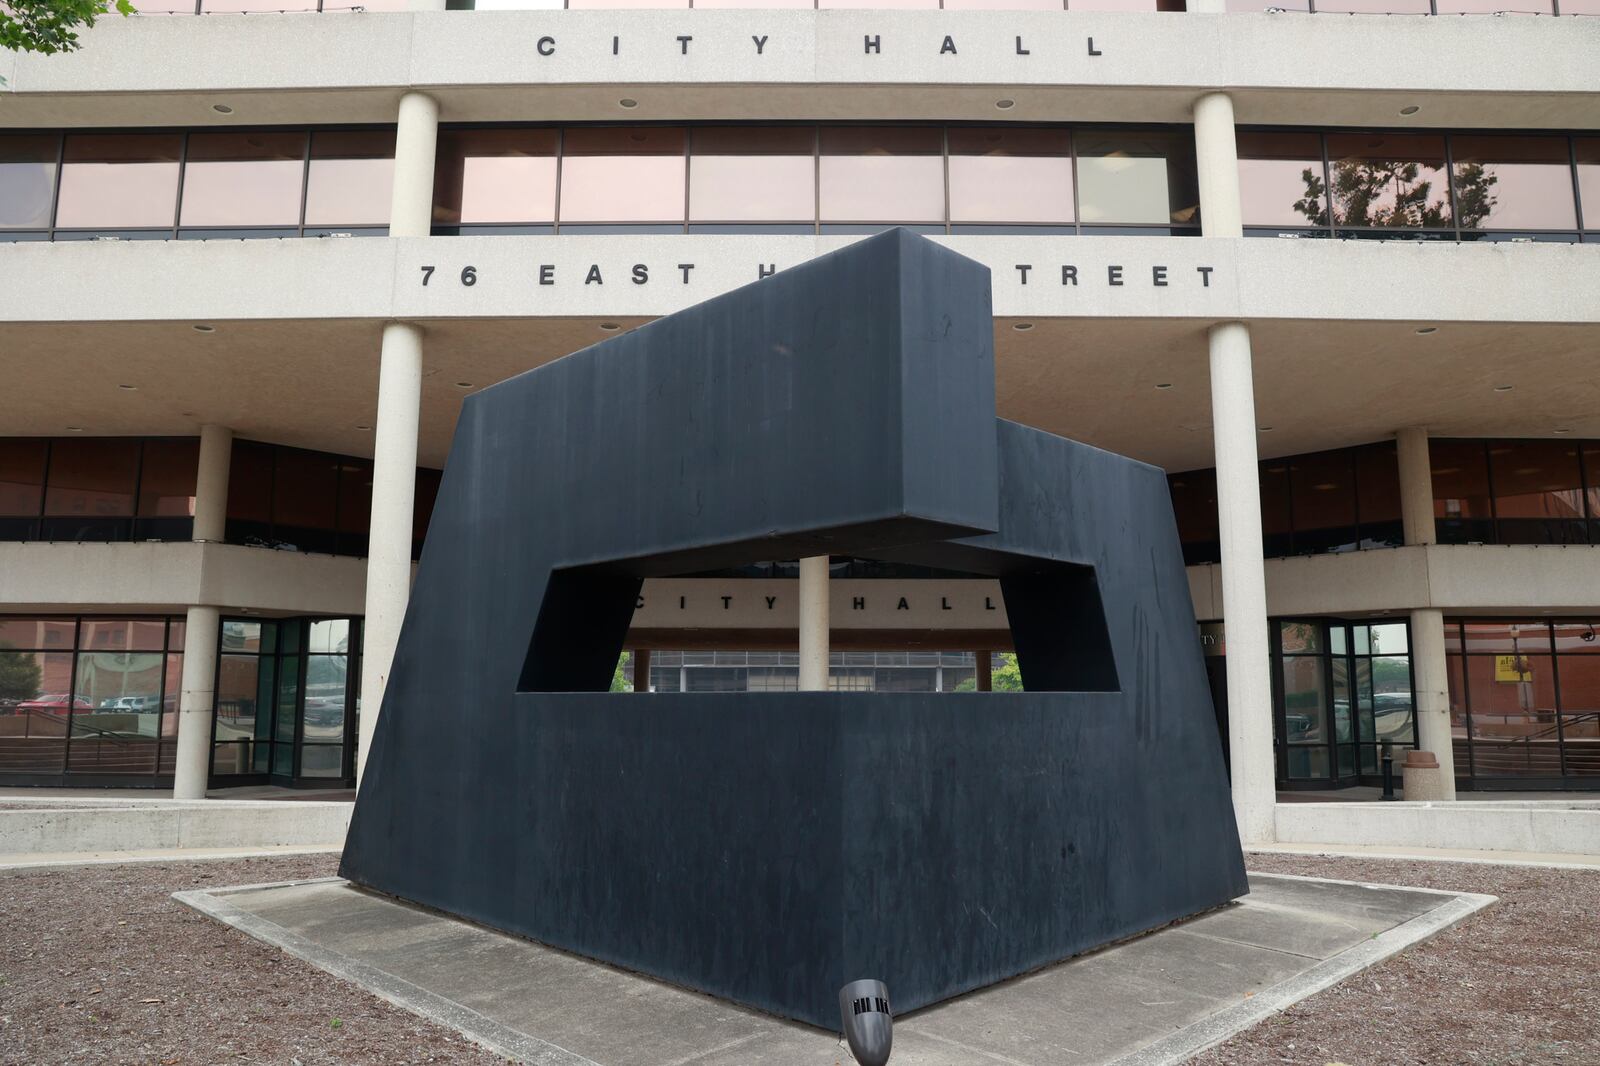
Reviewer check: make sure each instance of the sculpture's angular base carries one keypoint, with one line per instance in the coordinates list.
(938, 842)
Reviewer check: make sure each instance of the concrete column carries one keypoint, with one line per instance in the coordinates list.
(985, 677)
(1416, 486)
(197, 687)
(211, 484)
(1216, 155)
(1244, 585)
(1430, 675)
(394, 486)
(394, 457)
(1429, 666)
(814, 624)
(415, 145)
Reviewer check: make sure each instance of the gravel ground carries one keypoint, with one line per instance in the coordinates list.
(1518, 983)
(99, 965)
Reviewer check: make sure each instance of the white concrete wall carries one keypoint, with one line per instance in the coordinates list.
(1451, 577)
(172, 576)
(172, 824)
(381, 279)
(1549, 828)
(1480, 71)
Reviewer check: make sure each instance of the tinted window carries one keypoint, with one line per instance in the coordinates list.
(350, 178)
(27, 180)
(1281, 182)
(487, 176)
(1513, 183)
(1137, 177)
(744, 174)
(1010, 175)
(21, 476)
(623, 174)
(243, 179)
(1588, 153)
(119, 180)
(94, 477)
(1388, 180)
(167, 476)
(882, 174)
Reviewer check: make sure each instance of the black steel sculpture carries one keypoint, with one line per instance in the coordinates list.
(768, 847)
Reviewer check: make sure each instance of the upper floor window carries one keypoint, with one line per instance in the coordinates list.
(1516, 491)
(1418, 185)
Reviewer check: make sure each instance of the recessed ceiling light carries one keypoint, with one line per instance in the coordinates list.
(1410, 109)
(74, 429)
(1504, 388)
(610, 327)
(1425, 331)
(205, 329)
(1163, 384)
(222, 109)
(365, 429)
(1005, 105)
(1561, 429)
(463, 384)
(128, 388)
(1265, 429)
(628, 101)
(1023, 327)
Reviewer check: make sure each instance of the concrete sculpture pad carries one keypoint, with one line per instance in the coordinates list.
(1154, 1000)
(770, 847)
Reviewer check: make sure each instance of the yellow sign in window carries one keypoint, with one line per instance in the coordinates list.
(1512, 669)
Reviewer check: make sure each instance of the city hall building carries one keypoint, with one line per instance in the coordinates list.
(1334, 265)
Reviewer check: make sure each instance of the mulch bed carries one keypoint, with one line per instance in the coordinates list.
(100, 965)
(1518, 983)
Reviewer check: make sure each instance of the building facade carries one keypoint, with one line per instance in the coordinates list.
(1334, 266)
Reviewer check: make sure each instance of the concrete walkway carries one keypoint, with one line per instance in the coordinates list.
(1154, 1000)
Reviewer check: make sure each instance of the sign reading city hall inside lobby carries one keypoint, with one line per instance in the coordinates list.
(769, 847)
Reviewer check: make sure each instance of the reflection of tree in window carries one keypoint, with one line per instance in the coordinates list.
(1393, 194)
(19, 675)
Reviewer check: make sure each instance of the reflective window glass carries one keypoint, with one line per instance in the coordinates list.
(1375, 7)
(22, 475)
(999, 5)
(1378, 495)
(1513, 183)
(94, 476)
(1300, 638)
(1591, 467)
(489, 176)
(350, 178)
(304, 499)
(119, 180)
(249, 484)
(167, 476)
(1281, 182)
(44, 633)
(1137, 176)
(1460, 478)
(1003, 174)
(1492, 7)
(27, 180)
(882, 174)
(1579, 638)
(1388, 180)
(622, 174)
(1538, 492)
(1305, 699)
(1323, 502)
(1389, 638)
(751, 174)
(1511, 695)
(122, 634)
(1506, 637)
(243, 179)
(1194, 504)
(1587, 150)
(1276, 525)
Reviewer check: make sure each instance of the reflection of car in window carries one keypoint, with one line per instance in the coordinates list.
(1391, 715)
(1299, 726)
(134, 704)
(54, 703)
